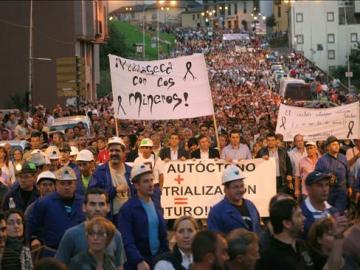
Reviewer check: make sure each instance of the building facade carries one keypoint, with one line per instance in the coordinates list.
(59, 29)
(325, 31)
(281, 10)
(230, 14)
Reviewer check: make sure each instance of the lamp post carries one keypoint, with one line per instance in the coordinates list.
(29, 98)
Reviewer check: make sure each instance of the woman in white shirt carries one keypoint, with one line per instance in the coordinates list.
(181, 257)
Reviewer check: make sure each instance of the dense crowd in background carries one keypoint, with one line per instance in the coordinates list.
(73, 195)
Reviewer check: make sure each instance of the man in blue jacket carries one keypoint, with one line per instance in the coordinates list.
(141, 224)
(233, 211)
(335, 163)
(55, 213)
(315, 206)
(114, 177)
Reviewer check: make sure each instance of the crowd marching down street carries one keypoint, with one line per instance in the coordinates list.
(91, 195)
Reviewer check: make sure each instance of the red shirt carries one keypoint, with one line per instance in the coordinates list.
(103, 156)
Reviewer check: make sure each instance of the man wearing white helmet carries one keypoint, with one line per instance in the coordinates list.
(45, 184)
(52, 215)
(141, 223)
(233, 211)
(147, 157)
(53, 154)
(114, 176)
(84, 160)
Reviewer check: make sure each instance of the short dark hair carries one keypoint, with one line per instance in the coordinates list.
(35, 134)
(67, 129)
(280, 211)
(202, 137)
(276, 197)
(96, 191)
(271, 135)
(238, 242)
(234, 131)
(203, 243)
(192, 141)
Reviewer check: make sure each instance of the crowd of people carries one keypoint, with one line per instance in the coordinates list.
(80, 201)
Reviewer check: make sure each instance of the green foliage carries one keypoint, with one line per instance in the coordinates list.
(340, 71)
(115, 45)
(18, 101)
(270, 21)
(104, 88)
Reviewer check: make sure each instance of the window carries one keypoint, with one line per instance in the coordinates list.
(299, 17)
(331, 38)
(245, 8)
(279, 11)
(354, 37)
(331, 54)
(193, 17)
(330, 16)
(300, 39)
(236, 8)
(229, 9)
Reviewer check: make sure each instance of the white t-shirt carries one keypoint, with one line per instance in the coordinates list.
(155, 163)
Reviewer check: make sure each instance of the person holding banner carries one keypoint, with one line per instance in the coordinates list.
(114, 176)
(173, 152)
(204, 151)
(335, 163)
(235, 150)
(141, 223)
(283, 163)
(233, 211)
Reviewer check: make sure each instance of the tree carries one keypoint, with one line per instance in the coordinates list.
(340, 71)
(115, 45)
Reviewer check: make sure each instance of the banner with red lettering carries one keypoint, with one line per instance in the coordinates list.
(192, 187)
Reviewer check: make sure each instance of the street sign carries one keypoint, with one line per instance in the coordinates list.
(349, 74)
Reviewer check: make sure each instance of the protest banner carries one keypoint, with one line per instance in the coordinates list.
(236, 36)
(192, 187)
(318, 124)
(163, 89)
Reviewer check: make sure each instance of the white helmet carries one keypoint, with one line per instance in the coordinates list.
(115, 140)
(85, 155)
(139, 169)
(46, 175)
(74, 151)
(231, 173)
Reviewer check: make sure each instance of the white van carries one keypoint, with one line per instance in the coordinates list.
(294, 89)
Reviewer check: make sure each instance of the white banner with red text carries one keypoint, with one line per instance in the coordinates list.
(163, 89)
(193, 187)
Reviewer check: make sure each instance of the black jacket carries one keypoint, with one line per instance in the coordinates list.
(173, 257)
(284, 161)
(213, 153)
(165, 153)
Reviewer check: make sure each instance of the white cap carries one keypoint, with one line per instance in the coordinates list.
(46, 175)
(146, 142)
(85, 155)
(65, 174)
(74, 151)
(116, 140)
(52, 152)
(231, 173)
(310, 143)
(139, 169)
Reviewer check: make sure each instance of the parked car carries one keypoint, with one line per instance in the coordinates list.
(62, 123)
